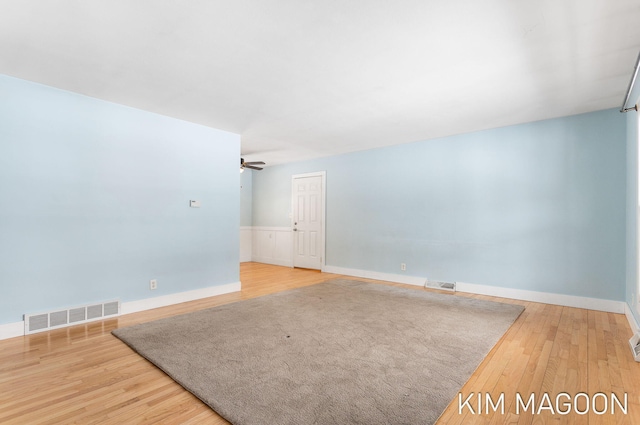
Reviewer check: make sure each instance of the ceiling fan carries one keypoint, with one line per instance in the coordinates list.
(251, 165)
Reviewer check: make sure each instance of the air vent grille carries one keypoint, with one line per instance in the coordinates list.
(94, 311)
(111, 308)
(58, 318)
(77, 315)
(634, 343)
(39, 322)
(439, 284)
(72, 316)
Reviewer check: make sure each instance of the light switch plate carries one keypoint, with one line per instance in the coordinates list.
(194, 204)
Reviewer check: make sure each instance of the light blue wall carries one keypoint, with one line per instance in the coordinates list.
(632, 213)
(94, 202)
(538, 206)
(272, 192)
(246, 193)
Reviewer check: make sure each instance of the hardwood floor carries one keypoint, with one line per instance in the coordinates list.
(84, 375)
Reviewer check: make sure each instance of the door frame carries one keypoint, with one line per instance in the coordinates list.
(636, 142)
(323, 208)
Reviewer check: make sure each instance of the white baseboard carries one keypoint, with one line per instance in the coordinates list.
(633, 323)
(180, 297)
(516, 294)
(388, 277)
(11, 330)
(273, 261)
(544, 297)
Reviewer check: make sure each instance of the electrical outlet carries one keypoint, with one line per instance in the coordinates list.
(153, 284)
(403, 267)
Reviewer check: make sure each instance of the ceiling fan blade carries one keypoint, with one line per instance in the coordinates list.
(255, 163)
(251, 166)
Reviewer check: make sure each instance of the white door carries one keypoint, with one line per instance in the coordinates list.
(307, 220)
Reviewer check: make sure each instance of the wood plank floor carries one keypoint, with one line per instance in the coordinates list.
(84, 375)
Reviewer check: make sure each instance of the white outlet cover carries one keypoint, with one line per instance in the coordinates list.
(194, 204)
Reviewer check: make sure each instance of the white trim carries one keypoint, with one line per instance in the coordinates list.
(313, 174)
(180, 297)
(495, 291)
(387, 277)
(11, 330)
(544, 297)
(633, 324)
(272, 261)
(270, 229)
(323, 232)
(637, 205)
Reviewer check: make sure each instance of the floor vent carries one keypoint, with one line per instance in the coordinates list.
(634, 343)
(438, 284)
(72, 316)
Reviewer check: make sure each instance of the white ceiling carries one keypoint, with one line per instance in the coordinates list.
(303, 79)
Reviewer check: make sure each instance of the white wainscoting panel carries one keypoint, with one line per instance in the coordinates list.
(272, 245)
(246, 243)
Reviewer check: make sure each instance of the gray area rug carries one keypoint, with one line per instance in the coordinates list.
(339, 352)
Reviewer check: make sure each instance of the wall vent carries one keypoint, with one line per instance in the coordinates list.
(72, 316)
(439, 284)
